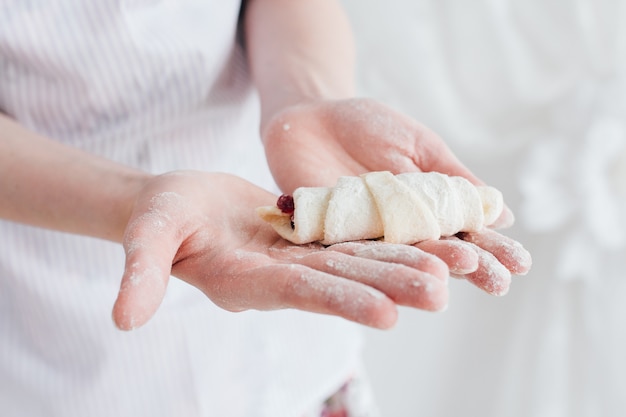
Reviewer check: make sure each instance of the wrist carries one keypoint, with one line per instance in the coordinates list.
(47, 184)
(304, 90)
(123, 197)
(299, 52)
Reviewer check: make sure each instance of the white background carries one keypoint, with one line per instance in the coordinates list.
(527, 93)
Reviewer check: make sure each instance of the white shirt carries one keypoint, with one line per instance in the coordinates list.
(160, 86)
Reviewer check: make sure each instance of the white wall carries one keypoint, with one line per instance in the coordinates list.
(518, 89)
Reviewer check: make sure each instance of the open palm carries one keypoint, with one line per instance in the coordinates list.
(312, 144)
(203, 229)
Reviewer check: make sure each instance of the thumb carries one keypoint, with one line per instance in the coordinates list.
(446, 162)
(451, 165)
(141, 292)
(440, 158)
(149, 252)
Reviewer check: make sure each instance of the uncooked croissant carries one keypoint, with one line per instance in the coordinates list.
(406, 208)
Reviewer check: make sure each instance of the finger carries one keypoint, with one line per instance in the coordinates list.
(505, 220)
(432, 154)
(141, 292)
(491, 276)
(149, 252)
(404, 285)
(459, 256)
(507, 251)
(279, 286)
(400, 254)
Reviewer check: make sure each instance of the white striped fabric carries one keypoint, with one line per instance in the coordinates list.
(159, 85)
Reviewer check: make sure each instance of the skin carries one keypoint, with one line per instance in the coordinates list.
(362, 135)
(301, 58)
(172, 224)
(315, 130)
(221, 247)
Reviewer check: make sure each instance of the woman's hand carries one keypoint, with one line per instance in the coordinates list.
(203, 229)
(486, 259)
(312, 144)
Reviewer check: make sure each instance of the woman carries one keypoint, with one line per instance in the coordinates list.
(135, 123)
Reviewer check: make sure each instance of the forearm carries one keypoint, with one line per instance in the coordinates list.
(298, 51)
(47, 184)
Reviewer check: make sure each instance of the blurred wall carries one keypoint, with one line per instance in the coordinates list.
(530, 94)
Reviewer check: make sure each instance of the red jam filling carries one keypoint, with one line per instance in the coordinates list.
(285, 204)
